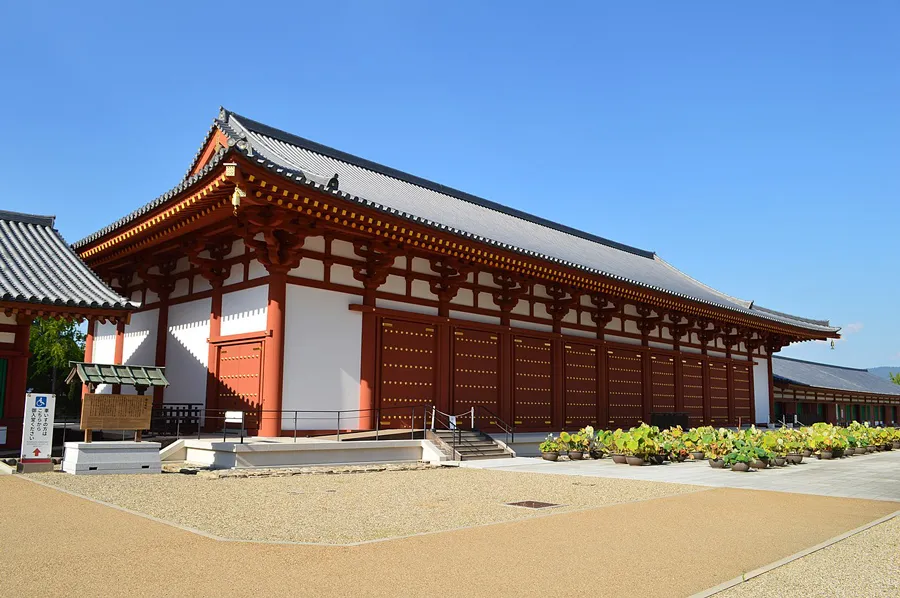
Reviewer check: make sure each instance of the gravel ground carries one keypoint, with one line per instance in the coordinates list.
(867, 564)
(339, 509)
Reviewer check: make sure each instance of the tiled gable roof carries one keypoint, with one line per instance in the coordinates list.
(823, 375)
(38, 266)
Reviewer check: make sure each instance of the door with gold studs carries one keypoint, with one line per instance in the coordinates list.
(239, 380)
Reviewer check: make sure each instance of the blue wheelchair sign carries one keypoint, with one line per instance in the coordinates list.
(40, 402)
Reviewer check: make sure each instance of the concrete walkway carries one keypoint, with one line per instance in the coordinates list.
(875, 476)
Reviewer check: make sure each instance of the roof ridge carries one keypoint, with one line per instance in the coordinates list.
(829, 365)
(787, 315)
(412, 179)
(28, 218)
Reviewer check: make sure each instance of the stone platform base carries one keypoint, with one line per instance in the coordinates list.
(111, 457)
(27, 467)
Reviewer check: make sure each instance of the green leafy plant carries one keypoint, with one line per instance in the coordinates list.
(549, 445)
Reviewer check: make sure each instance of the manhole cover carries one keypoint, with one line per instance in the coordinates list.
(532, 504)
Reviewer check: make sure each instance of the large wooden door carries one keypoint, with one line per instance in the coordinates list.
(239, 366)
(625, 379)
(718, 393)
(692, 390)
(532, 383)
(742, 393)
(581, 403)
(662, 378)
(476, 374)
(408, 372)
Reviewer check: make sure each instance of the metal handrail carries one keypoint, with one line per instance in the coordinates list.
(508, 429)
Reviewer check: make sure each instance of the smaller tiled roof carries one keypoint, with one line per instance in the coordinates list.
(834, 377)
(131, 375)
(38, 266)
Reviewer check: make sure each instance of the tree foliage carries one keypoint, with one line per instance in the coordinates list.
(53, 344)
(895, 377)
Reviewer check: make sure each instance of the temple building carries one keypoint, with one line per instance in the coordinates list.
(809, 392)
(41, 277)
(284, 277)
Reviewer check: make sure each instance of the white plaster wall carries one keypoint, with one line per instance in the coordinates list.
(104, 349)
(631, 326)
(400, 306)
(691, 350)
(5, 319)
(461, 315)
(237, 248)
(7, 337)
(623, 339)
(343, 249)
(139, 344)
(422, 290)
(341, 274)
(201, 284)
(715, 353)
(257, 270)
(540, 311)
(187, 352)
(235, 274)
(531, 325)
(314, 244)
(464, 297)
(761, 389)
(182, 285)
(659, 345)
(322, 351)
(245, 310)
(583, 333)
(422, 266)
(522, 308)
(486, 301)
(309, 268)
(394, 284)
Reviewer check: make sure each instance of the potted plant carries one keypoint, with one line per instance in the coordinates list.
(740, 459)
(576, 445)
(601, 444)
(617, 446)
(821, 440)
(640, 444)
(693, 441)
(716, 444)
(550, 448)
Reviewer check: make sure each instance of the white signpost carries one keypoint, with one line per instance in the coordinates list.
(37, 433)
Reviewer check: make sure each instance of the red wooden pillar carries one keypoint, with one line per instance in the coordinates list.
(119, 351)
(88, 351)
(162, 336)
(368, 368)
(17, 382)
(507, 378)
(707, 394)
(444, 393)
(557, 385)
(212, 355)
(602, 389)
(771, 386)
(273, 360)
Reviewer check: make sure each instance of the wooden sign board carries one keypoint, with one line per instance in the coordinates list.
(116, 412)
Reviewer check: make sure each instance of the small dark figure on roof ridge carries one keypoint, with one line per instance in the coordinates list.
(333, 183)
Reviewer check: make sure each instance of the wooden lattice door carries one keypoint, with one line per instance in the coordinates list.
(476, 374)
(408, 372)
(581, 401)
(533, 373)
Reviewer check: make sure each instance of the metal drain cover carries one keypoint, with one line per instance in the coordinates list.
(532, 504)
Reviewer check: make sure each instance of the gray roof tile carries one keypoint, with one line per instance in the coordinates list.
(38, 266)
(823, 375)
(444, 208)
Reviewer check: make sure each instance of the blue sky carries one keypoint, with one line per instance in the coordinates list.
(755, 147)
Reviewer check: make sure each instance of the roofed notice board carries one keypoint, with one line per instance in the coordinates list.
(116, 412)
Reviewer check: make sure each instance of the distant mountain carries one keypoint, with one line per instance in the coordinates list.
(885, 371)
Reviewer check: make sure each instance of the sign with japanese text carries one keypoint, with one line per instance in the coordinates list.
(37, 433)
(116, 412)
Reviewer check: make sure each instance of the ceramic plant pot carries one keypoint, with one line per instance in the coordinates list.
(760, 463)
(888, 446)
(780, 461)
(870, 449)
(618, 459)
(576, 455)
(896, 444)
(636, 461)
(740, 467)
(806, 453)
(550, 456)
(826, 454)
(717, 463)
(838, 453)
(697, 455)
(794, 458)
(657, 459)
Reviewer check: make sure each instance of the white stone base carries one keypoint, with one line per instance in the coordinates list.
(111, 457)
